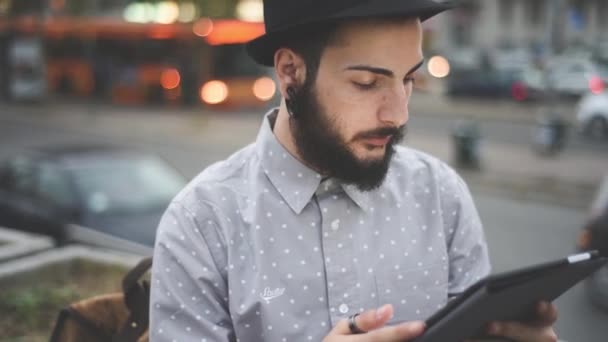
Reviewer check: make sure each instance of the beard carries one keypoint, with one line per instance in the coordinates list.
(321, 146)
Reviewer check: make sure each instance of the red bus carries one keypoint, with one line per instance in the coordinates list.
(128, 63)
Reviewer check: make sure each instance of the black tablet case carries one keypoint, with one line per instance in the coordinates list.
(511, 296)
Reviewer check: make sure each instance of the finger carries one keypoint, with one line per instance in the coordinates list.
(547, 314)
(522, 332)
(367, 321)
(398, 333)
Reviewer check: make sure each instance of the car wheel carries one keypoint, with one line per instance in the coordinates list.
(597, 128)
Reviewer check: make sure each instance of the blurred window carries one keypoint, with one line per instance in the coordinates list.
(506, 12)
(601, 14)
(54, 187)
(5, 177)
(65, 48)
(576, 69)
(19, 176)
(232, 61)
(26, 7)
(535, 11)
(579, 5)
(126, 185)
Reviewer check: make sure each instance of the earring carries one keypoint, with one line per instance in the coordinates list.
(290, 102)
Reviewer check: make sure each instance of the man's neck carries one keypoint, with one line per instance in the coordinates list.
(282, 131)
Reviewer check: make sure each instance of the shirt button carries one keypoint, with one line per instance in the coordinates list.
(343, 308)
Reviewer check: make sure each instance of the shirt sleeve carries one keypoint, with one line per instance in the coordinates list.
(466, 243)
(189, 295)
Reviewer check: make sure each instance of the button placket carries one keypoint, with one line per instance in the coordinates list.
(338, 250)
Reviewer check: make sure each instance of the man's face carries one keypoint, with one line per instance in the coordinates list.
(357, 108)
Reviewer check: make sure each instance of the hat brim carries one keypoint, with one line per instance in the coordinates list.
(262, 49)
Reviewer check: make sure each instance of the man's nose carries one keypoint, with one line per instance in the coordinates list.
(395, 108)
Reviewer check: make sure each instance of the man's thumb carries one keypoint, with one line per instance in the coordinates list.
(374, 319)
(366, 321)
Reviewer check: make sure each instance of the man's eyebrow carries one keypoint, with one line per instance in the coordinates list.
(416, 67)
(382, 71)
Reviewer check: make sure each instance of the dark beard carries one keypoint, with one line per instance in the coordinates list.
(320, 145)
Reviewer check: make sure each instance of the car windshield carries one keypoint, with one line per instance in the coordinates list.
(113, 186)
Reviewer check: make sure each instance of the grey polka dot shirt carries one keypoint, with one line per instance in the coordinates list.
(260, 248)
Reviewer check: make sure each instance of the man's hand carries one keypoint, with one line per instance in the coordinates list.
(540, 330)
(374, 321)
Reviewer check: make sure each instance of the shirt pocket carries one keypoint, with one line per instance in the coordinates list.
(415, 291)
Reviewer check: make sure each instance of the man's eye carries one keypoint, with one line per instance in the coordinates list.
(365, 86)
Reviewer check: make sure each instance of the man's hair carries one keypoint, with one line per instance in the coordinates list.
(310, 44)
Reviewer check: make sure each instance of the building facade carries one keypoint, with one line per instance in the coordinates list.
(523, 23)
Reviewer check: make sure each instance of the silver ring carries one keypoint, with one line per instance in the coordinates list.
(352, 325)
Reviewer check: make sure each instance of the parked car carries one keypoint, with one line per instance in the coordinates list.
(592, 115)
(520, 84)
(106, 196)
(575, 77)
(594, 236)
(479, 83)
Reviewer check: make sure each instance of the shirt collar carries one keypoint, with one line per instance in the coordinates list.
(361, 198)
(296, 182)
(332, 185)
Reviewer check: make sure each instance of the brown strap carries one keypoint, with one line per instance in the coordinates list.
(58, 329)
(135, 274)
(136, 293)
(137, 300)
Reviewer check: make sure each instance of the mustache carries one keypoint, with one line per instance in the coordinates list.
(397, 133)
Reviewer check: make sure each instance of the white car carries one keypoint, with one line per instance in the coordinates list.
(574, 77)
(592, 115)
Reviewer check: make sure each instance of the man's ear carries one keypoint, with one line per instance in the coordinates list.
(290, 69)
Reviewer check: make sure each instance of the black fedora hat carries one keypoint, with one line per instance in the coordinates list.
(284, 17)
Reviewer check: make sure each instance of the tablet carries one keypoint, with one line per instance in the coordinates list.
(511, 296)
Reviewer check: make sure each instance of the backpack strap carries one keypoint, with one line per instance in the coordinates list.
(61, 319)
(137, 300)
(130, 280)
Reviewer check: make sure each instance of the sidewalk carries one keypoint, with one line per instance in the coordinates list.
(569, 179)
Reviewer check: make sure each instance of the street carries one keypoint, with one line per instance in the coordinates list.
(525, 233)
(519, 232)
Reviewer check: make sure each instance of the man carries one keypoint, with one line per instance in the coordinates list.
(306, 234)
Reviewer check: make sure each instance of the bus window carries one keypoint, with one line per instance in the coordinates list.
(27, 81)
(236, 80)
(232, 61)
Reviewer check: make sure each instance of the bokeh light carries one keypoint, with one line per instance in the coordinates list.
(170, 79)
(203, 27)
(264, 88)
(439, 67)
(214, 92)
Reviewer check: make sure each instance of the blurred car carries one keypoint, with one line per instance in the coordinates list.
(101, 195)
(478, 83)
(518, 84)
(575, 77)
(594, 236)
(592, 115)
